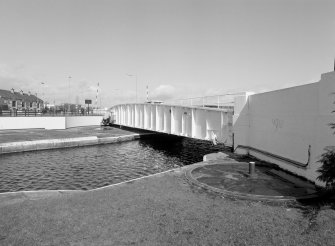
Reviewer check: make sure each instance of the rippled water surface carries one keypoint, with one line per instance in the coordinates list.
(96, 166)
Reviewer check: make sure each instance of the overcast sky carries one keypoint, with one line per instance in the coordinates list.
(179, 48)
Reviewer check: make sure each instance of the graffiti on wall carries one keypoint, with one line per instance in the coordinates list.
(277, 123)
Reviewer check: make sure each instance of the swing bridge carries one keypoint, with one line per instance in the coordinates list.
(205, 118)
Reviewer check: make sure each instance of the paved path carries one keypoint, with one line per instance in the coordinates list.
(40, 139)
(162, 209)
(7, 136)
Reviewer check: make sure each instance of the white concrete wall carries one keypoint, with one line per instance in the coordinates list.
(7, 123)
(75, 121)
(285, 122)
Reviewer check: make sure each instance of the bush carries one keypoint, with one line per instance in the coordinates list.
(327, 170)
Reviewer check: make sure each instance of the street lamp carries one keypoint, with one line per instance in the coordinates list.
(134, 75)
(69, 92)
(42, 92)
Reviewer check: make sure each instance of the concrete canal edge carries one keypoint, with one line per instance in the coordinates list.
(185, 171)
(16, 196)
(45, 144)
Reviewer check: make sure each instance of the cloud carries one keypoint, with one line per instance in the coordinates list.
(19, 76)
(163, 92)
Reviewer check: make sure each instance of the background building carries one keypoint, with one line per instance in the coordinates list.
(12, 100)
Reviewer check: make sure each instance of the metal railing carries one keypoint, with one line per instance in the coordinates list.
(225, 101)
(35, 113)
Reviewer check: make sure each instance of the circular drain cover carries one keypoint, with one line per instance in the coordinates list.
(233, 179)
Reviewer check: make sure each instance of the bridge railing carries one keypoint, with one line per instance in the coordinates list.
(225, 101)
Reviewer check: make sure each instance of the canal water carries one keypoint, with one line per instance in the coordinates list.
(90, 167)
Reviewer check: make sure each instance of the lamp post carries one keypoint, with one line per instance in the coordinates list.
(134, 75)
(42, 93)
(69, 92)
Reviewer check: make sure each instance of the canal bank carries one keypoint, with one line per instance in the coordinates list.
(161, 209)
(41, 139)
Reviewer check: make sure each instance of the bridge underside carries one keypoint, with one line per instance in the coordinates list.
(199, 123)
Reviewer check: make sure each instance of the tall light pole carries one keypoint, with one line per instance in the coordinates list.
(134, 75)
(147, 93)
(96, 97)
(42, 92)
(69, 92)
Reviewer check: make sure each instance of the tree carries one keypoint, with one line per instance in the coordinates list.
(327, 170)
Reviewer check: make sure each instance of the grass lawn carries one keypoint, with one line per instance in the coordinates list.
(161, 210)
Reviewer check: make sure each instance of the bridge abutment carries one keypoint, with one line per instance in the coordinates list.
(288, 127)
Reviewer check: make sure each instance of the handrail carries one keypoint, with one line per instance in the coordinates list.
(227, 94)
(218, 101)
(294, 162)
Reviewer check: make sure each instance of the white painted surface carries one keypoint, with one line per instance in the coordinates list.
(32, 122)
(192, 122)
(75, 121)
(285, 122)
(7, 123)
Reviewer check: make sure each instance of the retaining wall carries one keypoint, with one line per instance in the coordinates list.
(56, 122)
(292, 123)
(63, 143)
